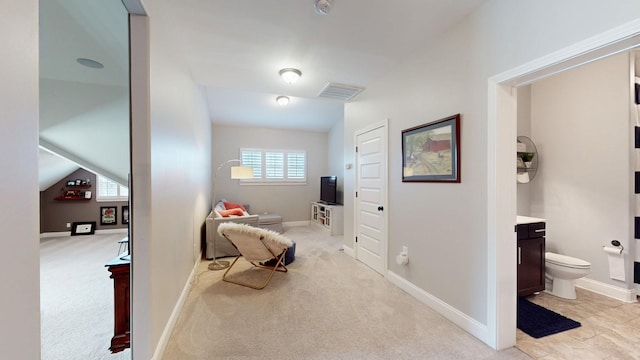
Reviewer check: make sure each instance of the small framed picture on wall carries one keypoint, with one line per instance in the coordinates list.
(125, 214)
(108, 215)
(83, 228)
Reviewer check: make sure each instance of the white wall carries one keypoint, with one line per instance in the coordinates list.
(445, 225)
(335, 151)
(174, 188)
(19, 217)
(292, 202)
(580, 124)
(524, 129)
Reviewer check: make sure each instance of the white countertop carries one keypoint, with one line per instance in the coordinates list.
(528, 220)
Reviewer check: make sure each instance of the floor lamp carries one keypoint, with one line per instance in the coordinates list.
(237, 172)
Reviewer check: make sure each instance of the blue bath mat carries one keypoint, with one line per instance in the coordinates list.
(537, 321)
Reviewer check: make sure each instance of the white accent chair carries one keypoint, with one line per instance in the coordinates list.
(263, 248)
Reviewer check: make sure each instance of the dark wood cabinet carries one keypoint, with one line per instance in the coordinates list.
(120, 269)
(531, 252)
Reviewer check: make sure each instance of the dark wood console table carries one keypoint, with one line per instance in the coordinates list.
(120, 268)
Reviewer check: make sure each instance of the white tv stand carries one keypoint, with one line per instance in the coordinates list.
(330, 217)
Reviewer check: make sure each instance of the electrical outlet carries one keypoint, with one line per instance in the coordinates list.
(68, 225)
(405, 250)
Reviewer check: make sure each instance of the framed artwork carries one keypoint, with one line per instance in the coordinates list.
(431, 152)
(125, 214)
(83, 228)
(108, 215)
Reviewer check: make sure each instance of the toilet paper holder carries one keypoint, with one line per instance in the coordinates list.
(617, 243)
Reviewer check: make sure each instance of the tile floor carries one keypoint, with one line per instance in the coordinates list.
(610, 329)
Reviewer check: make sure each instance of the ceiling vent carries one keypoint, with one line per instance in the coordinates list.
(340, 91)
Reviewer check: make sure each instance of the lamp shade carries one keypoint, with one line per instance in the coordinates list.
(241, 172)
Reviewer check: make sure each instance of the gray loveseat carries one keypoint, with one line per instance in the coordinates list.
(223, 246)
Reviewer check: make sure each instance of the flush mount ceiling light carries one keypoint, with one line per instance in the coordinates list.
(89, 63)
(290, 75)
(282, 100)
(323, 6)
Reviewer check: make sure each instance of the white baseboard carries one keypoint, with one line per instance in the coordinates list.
(349, 251)
(454, 315)
(618, 293)
(295, 223)
(112, 231)
(68, 233)
(168, 329)
(55, 234)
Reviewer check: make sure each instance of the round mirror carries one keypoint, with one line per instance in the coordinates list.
(527, 158)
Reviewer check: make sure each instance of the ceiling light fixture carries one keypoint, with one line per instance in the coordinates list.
(323, 6)
(89, 63)
(290, 75)
(282, 100)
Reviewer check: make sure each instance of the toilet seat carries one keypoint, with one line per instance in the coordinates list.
(567, 261)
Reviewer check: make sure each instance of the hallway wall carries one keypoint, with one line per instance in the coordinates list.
(171, 195)
(19, 218)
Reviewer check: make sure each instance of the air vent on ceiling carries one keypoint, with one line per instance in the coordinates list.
(340, 91)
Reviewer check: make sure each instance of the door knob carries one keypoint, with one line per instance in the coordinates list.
(380, 208)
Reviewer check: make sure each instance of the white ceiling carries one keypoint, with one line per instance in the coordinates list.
(234, 49)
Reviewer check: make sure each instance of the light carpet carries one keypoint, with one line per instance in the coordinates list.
(76, 297)
(328, 306)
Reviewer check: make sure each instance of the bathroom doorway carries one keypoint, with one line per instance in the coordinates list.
(582, 189)
(502, 123)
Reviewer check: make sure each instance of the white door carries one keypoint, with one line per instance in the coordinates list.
(371, 197)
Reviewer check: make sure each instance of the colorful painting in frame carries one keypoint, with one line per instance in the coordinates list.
(431, 152)
(108, 215)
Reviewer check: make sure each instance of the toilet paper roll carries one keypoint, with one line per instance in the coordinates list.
(616, 263)
(523, 178)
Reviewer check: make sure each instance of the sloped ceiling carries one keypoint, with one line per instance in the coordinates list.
(84, 112)
(53, 168)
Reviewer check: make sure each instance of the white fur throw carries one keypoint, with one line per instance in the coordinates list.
(247, 240)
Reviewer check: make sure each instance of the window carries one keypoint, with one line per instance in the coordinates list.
(275, 166)
(109, 190)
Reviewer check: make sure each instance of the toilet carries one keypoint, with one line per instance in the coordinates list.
(561, 271)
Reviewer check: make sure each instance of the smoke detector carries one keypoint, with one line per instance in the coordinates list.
(323, 6)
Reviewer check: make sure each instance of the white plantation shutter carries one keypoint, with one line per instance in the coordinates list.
(275, 166)
(109, 190)
(107, 187)
(252, 158)
(296, 165)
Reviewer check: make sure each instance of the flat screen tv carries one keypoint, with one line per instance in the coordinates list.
(329, 189)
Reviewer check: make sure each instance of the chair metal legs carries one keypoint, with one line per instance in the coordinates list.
(279, 266)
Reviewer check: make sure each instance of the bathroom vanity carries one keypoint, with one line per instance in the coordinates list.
(531, 250)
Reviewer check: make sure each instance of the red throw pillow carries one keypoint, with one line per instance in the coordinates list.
(227, 213)
(230, 205)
